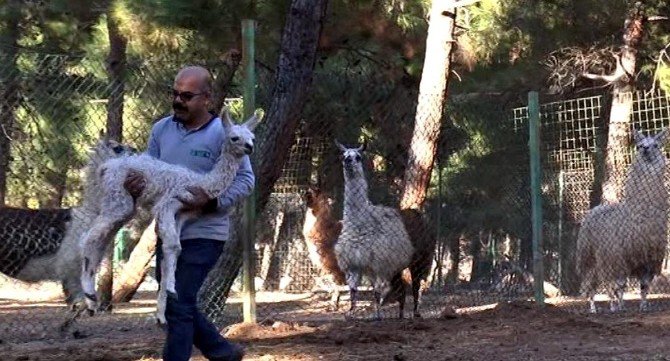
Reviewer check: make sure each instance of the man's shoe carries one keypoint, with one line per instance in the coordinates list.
(236, 354)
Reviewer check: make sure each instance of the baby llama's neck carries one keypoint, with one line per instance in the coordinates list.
(355, 196)
(221, 176)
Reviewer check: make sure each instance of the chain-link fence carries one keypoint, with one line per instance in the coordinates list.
(605, 200)
(333, 219)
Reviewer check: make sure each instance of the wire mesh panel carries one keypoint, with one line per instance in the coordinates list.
(604, 201)
(338, 216)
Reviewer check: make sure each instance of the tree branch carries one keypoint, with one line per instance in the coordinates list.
(462, 3)
(657, 18)
(619, 73)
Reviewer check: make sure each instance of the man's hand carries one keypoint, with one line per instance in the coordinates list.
(134, 183)
(199, 199)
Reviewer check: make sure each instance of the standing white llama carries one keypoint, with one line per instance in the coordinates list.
(374, 242)
(166, 187)
(629, 238)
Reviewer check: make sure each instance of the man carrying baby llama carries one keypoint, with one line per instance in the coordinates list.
(192, 138)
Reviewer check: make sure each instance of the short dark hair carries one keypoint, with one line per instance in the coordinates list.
(204, 75)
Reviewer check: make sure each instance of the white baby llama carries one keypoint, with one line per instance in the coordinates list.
(64, 264)
(629, 238)
(373, 242)
(166, 185)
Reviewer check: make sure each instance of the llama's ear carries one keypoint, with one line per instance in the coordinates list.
(637, 136)
(662, 137)
(340, 146)
(102, 135)
(226, 119)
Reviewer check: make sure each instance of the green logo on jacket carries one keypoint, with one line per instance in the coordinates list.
(200, 153)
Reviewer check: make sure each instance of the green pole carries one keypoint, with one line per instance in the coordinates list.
(561, 186)
(248, 219)
(536, 193)
(119, 246)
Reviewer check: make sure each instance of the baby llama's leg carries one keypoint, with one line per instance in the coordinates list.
(93, 247)
(167, 231)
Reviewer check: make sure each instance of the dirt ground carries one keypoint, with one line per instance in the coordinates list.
(506, 332)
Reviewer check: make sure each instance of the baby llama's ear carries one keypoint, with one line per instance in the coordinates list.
(252, 122)
(226, 119)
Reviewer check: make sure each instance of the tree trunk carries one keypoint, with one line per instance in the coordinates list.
(137, 267)
(622, 107)
(225, 74)
(455, 259)
(116, 66)
(293, 78)
(432, 94)
(9, 96)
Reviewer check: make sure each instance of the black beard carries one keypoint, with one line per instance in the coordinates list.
(178, 106)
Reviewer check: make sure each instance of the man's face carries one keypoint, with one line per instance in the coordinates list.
(189, 97)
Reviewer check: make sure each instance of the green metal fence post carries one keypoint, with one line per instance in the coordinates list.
(561, 187)
(119, 246)
(248, 219)
(536, 193)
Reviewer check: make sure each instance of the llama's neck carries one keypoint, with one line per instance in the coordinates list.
(355, 195)
(645, 182)
(222, 174)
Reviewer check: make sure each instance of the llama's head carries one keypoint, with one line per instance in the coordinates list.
(239, 138)
(352, 159)
(316, 200)
(649, 149)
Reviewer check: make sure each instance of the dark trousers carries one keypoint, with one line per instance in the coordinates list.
(186, 325)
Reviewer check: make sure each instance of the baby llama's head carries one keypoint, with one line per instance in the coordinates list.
(239, 139)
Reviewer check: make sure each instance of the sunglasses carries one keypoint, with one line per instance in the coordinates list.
(185, 96)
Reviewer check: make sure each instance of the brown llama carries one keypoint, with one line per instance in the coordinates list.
(320, 230)
(423, 239)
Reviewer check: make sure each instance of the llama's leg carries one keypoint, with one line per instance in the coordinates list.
(167, 225)
(93, 247)
(644, 290)
(589, 289)
(335, 297)
(353, 280)
(416, 295)
(616, 295)
(378, 304)
(401, 305)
